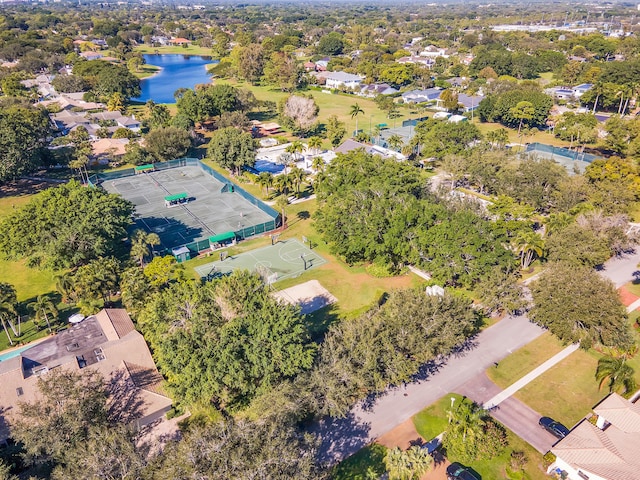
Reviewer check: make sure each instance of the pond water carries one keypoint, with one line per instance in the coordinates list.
(178, 71)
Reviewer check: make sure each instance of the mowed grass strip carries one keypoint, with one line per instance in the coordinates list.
(524, 360)
(567, 391)
(363, 465)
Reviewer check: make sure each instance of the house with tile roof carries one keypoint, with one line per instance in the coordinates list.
(106, 342)
(608, 450)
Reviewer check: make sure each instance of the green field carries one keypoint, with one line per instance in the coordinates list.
(177, 49)
(146, 71)
(432, 421)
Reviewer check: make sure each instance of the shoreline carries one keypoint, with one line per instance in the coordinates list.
(154, 74)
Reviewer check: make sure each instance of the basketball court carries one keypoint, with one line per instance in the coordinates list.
(211, 207)
(286, 259)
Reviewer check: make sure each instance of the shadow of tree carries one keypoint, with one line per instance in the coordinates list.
(125, 404)
(340, 438)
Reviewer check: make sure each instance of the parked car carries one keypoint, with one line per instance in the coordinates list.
(455, 471)
(554, 428)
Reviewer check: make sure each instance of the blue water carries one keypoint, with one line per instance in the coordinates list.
(14, 353)
(178, 71)
(266, 166)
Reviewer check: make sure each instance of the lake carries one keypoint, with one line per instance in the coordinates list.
(178, 71)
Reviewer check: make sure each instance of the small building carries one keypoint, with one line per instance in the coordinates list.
(176, 199)
(107, 150)
(342, 80)
(222, 239)
(375, 89)
(469, 102)
(179, 41)
(350, 145)
(425, 61)
(182, 254)
(560, 93)
(580, 90)
(91, 55)
(422, 96)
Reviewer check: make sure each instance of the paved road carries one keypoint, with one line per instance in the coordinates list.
(369, 420)
(621, 270)
(512, 413)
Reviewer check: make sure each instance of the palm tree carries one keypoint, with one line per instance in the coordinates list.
(318, 164)
(556, 222)
(281, 204)
(466, 419)
(116, 102)
(265, 180)
(140, 243)
(297, 176)
(294, 148)
(43, 307)
(355, 111)
(617, 373)
(395, 141)
(528, 244)
(315, 143)
(64, 285)
(522, 111)
(283, 183)
(8, 302)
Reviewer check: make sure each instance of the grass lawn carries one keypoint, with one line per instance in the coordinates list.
(567, 391)
(177, 49)
(541, 136)
(521, 362)
(432, 421)
(357, 466)
(147, 71)
(633, 287)
(332, 104)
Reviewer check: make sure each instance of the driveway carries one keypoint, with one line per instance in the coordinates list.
(512, 413)
(370, 419)
(620, 270)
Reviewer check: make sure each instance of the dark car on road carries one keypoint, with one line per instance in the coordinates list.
(554, 428)
(455, 471)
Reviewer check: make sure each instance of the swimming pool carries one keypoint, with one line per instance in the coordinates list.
(267, 166)
(13, 353)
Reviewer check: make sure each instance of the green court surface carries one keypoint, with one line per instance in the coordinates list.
(285, 259)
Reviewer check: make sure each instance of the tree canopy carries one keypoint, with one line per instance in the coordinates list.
(232, 149)
(66, 226)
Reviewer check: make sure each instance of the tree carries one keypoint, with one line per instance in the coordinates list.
(70, 404)
(168, 143)
(224, 342)
(335, 130)
(232, 149)
(8, 301)
(265, 180)
(499, 291)
(116, 102)
(301, 112)
(281, 69)
(408, 464)
(64, 285)
(472, 434)
(315, 143)
(598, 319)
(522, 111)
(449, 100)
(499, 137)
(98, 279)
(23, 138)
(251, 65)
(281, 204)
(528, 245)
(617, 373)
(140, 243)
(355, 110)
(43, 307)
(240, 449)
(66, 226)
(331, 44)
(395, 141)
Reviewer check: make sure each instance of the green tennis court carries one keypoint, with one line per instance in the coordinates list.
(286, 259)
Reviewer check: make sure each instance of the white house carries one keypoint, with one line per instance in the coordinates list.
(608, 450)
(421, 96)
(342, 80)
(433, 51)
(376, 89)
(580, 90)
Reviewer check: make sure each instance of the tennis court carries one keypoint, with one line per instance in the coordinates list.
(286, 259)
(213, 207)
(571, 160)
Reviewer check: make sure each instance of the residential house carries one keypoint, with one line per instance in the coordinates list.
(309, 66)
(560, 93)
(179, 41)
(575, 58)
(107, 343)
(159, 40)
(422, 96)
(469, 102)
(580, 90)
(120, 120)
(426, 61)
(322, 64)
(375, 89)
(608, 450)
(434, 52)
(91, 55)
(342, 80)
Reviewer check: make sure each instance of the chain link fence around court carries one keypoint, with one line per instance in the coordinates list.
(201, 245)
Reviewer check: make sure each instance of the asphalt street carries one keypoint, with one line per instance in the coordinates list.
(375, 416)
